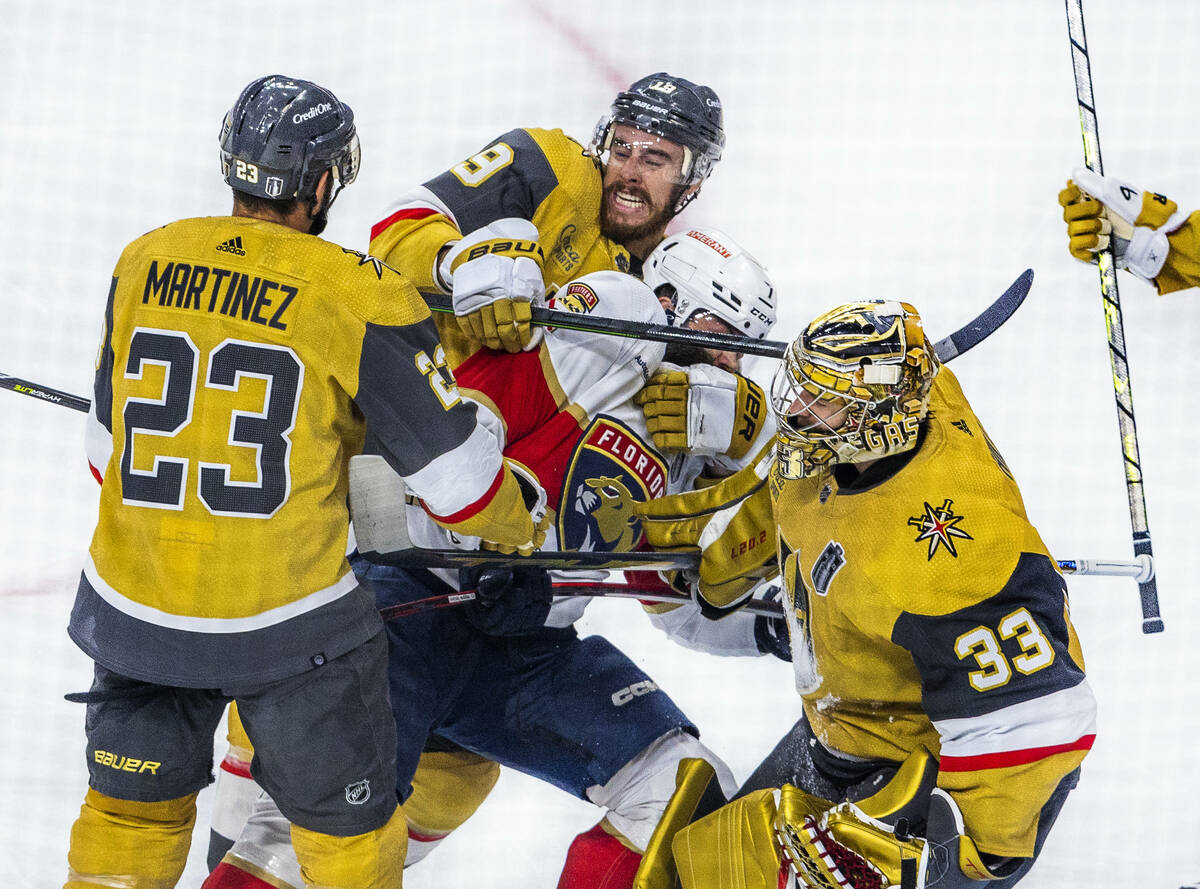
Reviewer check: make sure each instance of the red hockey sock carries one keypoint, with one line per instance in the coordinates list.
(598, 860)
(227, 876)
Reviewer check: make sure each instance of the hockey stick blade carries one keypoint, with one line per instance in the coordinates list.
(987, 322)
(952, 346)
(45, 393)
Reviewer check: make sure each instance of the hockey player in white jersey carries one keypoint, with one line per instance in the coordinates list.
(517, 685)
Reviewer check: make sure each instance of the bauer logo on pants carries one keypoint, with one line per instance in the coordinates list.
(358, 792)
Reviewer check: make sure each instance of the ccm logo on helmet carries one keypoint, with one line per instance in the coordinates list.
(311, 112)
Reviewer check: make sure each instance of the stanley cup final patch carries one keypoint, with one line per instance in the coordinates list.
(827, 565)
(358, 792)
(939, 525)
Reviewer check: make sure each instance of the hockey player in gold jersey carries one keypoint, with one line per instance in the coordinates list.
(535, 208)
(925, 616)
(1150, 236)
(242, 358)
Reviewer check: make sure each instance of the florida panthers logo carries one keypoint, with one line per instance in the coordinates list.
(610, 470)
(610, 504)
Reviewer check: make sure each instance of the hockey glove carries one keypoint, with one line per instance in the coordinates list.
(703, 410)
(494, 275)
(955, 862)
(1101, 211)
(510, 601)
(771, 633)
(731, 523)
(505, 523)
(533, 496)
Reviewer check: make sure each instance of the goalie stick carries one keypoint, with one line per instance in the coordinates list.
(961, 340)
(562, 560)
(636, 561)
(970, 334)
(1148, 587)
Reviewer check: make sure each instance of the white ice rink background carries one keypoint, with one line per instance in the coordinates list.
(909, 150)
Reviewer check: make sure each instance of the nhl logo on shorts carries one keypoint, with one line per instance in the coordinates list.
(358, 792)
(274, 186)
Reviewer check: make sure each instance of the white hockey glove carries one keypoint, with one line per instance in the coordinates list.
(703, 410)
(1100, 211)
(494, 274)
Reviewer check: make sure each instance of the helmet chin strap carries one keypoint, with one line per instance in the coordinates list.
(320, 218)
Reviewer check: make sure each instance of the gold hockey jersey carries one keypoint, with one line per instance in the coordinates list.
(539, 175)
(927, 610)
(240, 363)
(1182, 267)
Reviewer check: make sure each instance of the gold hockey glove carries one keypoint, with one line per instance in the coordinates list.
(533, 496)
(954, 855)
(731, 523)
(1101, 212)
(664, 401)
(504, 522)
(494, 274)
(703, 410)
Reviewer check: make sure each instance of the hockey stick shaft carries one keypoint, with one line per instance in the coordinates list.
(1081, 63)
(645, 593)
(958, 342)
(656, 593)
(562, 560)
(952, 346)
(45, 393)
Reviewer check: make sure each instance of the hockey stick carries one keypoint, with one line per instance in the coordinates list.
(656, 593)
(559, 560)
(952, 346)
(66, 399)
(964, 338)
(1148, 588)
(619, 590)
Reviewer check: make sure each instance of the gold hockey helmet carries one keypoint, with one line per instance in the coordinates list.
(853, 387)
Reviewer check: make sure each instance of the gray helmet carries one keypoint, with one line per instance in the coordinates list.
(282, 134)
(672, 108)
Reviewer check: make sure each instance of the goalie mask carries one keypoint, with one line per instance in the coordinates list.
(282, 134)
(853, 387)
(668, 107)
(709, 273)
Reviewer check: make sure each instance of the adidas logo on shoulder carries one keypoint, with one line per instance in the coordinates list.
(233, 245)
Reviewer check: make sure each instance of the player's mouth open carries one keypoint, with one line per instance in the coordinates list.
(629, 202)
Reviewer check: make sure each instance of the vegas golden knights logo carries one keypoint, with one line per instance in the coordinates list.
(939, 525)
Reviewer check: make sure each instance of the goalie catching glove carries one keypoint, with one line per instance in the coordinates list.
(494, 275)
(731, 523)
(703, 410)
(1101, 212)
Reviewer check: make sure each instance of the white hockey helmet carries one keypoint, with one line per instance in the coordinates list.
(711, 273)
